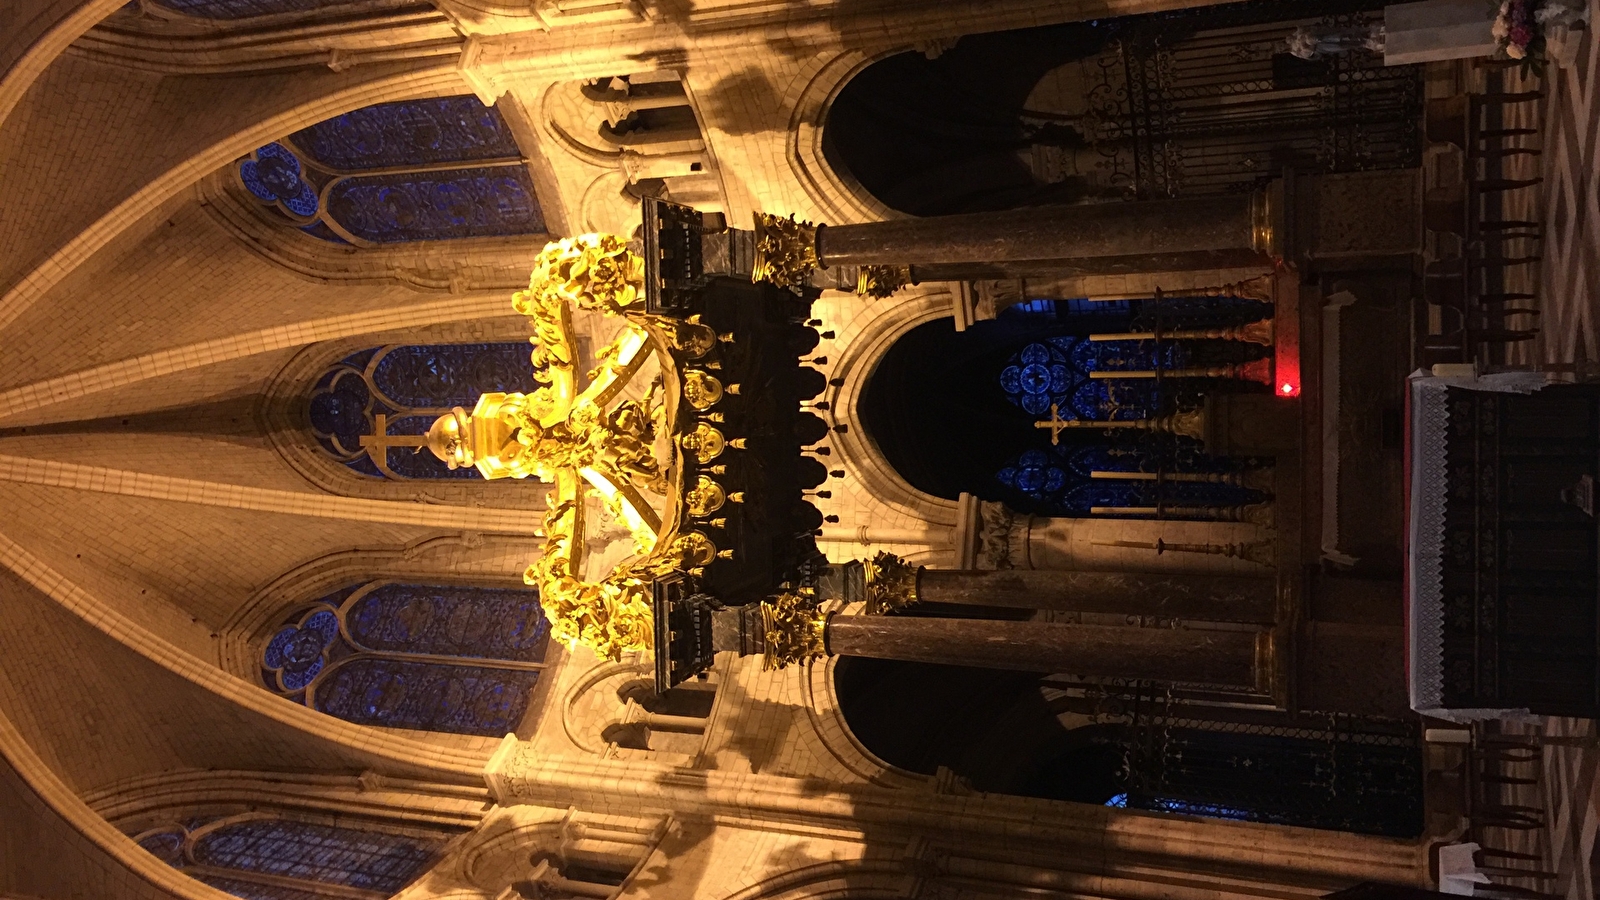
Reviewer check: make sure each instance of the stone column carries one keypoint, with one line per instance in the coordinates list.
(1215, 598)
(879, 258)
(790, 628)
(1189, 656)
(1214, 231)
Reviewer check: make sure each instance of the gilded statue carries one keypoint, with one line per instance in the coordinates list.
(503, 438)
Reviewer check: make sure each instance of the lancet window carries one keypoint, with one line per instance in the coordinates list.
(414, 170)
(427, 657)
(258, 856)
(371, 409)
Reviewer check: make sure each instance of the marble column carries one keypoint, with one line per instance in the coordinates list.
(1165, 234)
(1214, 598)
(1224, 658)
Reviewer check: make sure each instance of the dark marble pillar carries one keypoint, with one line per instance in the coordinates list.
(1189, 656)
(1214, 598)
(1213, 231)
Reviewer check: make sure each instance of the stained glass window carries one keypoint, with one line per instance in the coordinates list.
(433, 130)
(246, 9)
(416, 170)
(1131, 472)
(1126, 477)
(427, 657)
(1058, 372)
(404, 388)
(258, 857)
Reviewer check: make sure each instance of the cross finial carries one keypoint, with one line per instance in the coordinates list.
(1055, 423)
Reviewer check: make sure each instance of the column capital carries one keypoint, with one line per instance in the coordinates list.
(1002, 537)
(794, 631)
(892, 583)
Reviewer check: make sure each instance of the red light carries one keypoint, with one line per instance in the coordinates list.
(1287, 388)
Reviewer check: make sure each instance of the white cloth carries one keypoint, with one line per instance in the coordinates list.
(1458, 872)
(1429, 487)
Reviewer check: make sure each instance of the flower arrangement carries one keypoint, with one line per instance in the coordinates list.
(1516, 34)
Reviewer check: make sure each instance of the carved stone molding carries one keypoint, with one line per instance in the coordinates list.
(158, 40)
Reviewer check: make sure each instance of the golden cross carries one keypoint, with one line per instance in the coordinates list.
(1055, 423)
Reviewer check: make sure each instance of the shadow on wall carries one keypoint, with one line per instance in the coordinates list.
(742, 103)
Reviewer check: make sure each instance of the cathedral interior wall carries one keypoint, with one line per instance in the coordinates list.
(152, 332)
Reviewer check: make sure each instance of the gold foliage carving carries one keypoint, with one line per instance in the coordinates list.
(786, 250)
(793, 631)
(892, 583)
(880, 282)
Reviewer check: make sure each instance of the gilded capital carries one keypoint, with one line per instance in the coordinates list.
(793, 631)
(786, 250)
(892, 583)
(880, 282)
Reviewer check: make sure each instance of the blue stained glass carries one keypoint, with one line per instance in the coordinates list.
(166, 846)
(431, 206)
(411, 385)
(250, 890)
(1120, 801)
(1166, 313)
(361, 661)
(484, 623)
(410, 133)
(325, 854)
(246, 9)
(1057, 373)
(430, 697)
(342, 410)
(439, 376)
(275, 176)
(1209, 810)
(1061, 482)
(297, 653)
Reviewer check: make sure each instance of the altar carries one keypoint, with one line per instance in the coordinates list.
(1502, 547)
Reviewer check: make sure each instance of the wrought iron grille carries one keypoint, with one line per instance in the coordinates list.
(1335, 771)
(1221, 110)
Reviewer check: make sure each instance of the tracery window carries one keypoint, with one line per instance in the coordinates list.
(258, 856)
(414, 170)
(370, 410)
(428, 657)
